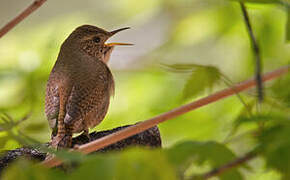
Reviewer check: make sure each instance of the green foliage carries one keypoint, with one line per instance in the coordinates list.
(144, 165)
(281, 90)
(25, 170)
(167, 164)
(183, 154)
(9, 127)
(97, 167)
(7, 122)
(261, 118)
(272, 139)
(130, 164)
(285, 3)
(200, 79)
(275, 147)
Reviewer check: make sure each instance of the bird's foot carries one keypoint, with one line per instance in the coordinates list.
(65, 142)
(55, 140)
(76, 147)
(49, 156)
(61, 141)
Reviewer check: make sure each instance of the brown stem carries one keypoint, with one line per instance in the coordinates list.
(35, 5)
(230, 165)
(139, 127)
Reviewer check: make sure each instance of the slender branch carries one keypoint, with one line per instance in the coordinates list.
(139, 127)
(230, 165)
(229, 83)
(256, 52)
(35, 5)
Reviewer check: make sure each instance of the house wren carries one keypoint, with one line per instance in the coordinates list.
(80, 84)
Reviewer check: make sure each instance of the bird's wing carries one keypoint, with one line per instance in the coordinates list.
(89, 92)
(52, 103)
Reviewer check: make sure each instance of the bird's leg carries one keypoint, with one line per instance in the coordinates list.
(61, 136)
(54, 143)
(86, 129)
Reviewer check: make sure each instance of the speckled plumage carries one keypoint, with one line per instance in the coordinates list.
(80, 85)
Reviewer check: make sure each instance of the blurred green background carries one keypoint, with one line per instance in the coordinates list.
(210, 33)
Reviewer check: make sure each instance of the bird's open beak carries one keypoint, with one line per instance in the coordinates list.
(118, 30)
(118, 44)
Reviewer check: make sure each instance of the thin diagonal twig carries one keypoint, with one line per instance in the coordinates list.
(256, 51)
(229, 83)
(35, 5)
(230, 165)
(142, 126)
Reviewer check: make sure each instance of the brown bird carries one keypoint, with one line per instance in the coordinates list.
(80, 84)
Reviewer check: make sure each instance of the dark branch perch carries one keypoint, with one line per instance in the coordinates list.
(149, 138)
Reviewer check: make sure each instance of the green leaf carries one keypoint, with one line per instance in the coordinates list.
(183, 154)
(144, 164)
(280, 89)
(129, 164)
(275, 147)
(96, 167)
(201, 78)
(25, 170)
(68, 156)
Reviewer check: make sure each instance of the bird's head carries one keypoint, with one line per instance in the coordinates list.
(92, 40)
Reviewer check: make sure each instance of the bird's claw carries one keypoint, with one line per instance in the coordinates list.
(61, 141)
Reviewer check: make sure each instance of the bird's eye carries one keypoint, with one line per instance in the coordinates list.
(96, 39)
